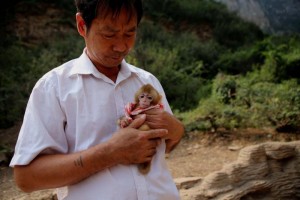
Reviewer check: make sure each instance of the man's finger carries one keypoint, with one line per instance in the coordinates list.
(154, 111)
(136, 123)
(157, 133)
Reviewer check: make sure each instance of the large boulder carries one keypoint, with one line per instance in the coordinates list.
(266, 171)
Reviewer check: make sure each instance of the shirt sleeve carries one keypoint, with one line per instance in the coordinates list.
(42, 131)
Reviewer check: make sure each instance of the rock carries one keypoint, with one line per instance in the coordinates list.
(217, 183)
(38, 195)
(186, 182)
(266, 171)
(235, 148)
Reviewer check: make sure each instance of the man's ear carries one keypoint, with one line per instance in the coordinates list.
(81, 26)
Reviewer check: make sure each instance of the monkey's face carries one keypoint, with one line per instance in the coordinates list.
(145, 100)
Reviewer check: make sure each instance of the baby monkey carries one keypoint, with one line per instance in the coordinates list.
(146, 98)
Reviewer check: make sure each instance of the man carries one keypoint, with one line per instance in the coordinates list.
(70, 139)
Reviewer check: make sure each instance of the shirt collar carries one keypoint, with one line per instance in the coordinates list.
(84, 66)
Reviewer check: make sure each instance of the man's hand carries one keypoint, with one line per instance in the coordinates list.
(160, 119)
(132, 146)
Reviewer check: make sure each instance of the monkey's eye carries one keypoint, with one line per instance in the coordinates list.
(149, 98)
(142, 96)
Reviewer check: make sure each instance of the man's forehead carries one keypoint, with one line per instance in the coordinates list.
(112, 28)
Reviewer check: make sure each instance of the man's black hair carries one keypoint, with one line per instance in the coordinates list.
(89, 9)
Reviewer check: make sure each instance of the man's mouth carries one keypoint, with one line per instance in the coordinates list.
(117, 57)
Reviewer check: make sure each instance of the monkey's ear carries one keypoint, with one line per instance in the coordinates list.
(160, 98)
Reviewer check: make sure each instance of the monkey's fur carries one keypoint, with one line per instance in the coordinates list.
(144, 168)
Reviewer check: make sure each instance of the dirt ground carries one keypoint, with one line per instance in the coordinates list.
(198, 154)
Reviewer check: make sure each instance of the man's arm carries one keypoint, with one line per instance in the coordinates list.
(160, 119)
(50, 171)
(127, 146)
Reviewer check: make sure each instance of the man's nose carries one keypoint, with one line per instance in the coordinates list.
(120, 45)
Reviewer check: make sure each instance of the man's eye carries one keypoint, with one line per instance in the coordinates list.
(129, 35)
(108, 36)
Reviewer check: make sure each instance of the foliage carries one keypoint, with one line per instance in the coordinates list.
(266, 96)
(241, 61)
(255, 104)
(11, 90)
(270, 104)
(224, 88)
(282, 57)
(22, 67)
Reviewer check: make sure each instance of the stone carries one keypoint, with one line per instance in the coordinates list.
(266, 171)
(186, 182)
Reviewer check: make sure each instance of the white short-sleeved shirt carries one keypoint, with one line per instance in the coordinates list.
(74, 107)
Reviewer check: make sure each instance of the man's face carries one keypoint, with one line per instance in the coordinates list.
(110, 39)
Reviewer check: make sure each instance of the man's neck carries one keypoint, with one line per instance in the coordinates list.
(110, 72)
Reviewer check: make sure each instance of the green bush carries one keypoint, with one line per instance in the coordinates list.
(271, 104)
(14, 63)
(241, 61)
(224, 88)
(21, 68)
(281, 57)
(255, 104)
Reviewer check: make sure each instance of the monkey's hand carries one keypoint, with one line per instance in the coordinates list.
(124, 122)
